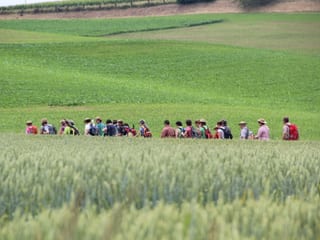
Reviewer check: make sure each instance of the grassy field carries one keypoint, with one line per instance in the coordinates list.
(243, 67)
(239, 67)
(96, 188)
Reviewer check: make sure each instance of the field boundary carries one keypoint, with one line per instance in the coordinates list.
(163, 28)
(169, 7)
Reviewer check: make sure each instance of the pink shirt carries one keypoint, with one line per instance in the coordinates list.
(263, 133)
(188, 132)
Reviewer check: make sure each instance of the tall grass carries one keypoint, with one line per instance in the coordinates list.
(86, 187)
(140, 172)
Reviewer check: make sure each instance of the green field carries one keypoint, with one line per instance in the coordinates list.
(242, 67)
(212, 66)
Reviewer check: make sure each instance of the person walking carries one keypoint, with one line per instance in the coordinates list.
(70, 128)
(144, 129)
(63, 125)
(219, 134)
(289, 130)
(226, 129)
(100, 126)
(179, 130)
(168, 131)
(87, 126)
(204, 129)
(188, 130)
(263, 132)
(47, 128)
(245, 133)
(30, 128)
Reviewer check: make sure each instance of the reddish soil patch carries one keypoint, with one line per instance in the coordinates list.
(219, 6)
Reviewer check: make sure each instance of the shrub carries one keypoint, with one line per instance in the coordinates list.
(192, 1)
(255, 3)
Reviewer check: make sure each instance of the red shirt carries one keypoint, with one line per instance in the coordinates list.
(168, 131)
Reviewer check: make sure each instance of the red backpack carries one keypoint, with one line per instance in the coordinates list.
(293, 132)
(208, 133)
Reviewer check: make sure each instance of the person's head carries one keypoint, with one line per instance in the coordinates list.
(224, 122)
(219, 124)
(87, 120)
(114, 122)
(29, 123)
(108, 121)
(197, 122)
(261, 121)
(179, 124)
(285, 120)
(242, 124)
(120, 122)
(188, 122)
(44, 121)
(142, 122)
(203, 122)
(63, 122)
(166, 122)
(98, 120)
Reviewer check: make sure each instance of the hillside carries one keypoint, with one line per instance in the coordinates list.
(219, 6)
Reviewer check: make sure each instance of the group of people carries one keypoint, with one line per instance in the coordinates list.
(200, 129)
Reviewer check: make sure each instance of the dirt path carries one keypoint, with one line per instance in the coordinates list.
(219, 6)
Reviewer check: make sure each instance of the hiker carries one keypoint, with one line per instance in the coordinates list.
(289, 131)
(121, 129)
(88, 126)
(245, 133)
(144, 129)
(179, 130)
(46, 128)
(70, 128)
(63, 125)
(100, 126)
(168, 131)
(204, 129)
(30, 128)
(219, 133)
(198, 128)
(263, 132)
(115, 123)
(130, 132)
(110, 129)
(188, 129)
(226, 130)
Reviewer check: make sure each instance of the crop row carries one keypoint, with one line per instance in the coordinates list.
(263, 219)
(46, 172)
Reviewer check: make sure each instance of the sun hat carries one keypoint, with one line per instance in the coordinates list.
(262, 121)
(44, 120)
(87, 120)
(202, 120)
(29, 122)
(242, 123)
(98, 118)
(120, 121)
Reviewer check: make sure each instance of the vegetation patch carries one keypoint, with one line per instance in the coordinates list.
(256, 3)
(140, 191)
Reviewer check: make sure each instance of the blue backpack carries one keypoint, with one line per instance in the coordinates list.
(93, 131)
(111, 131)
(52, 129)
